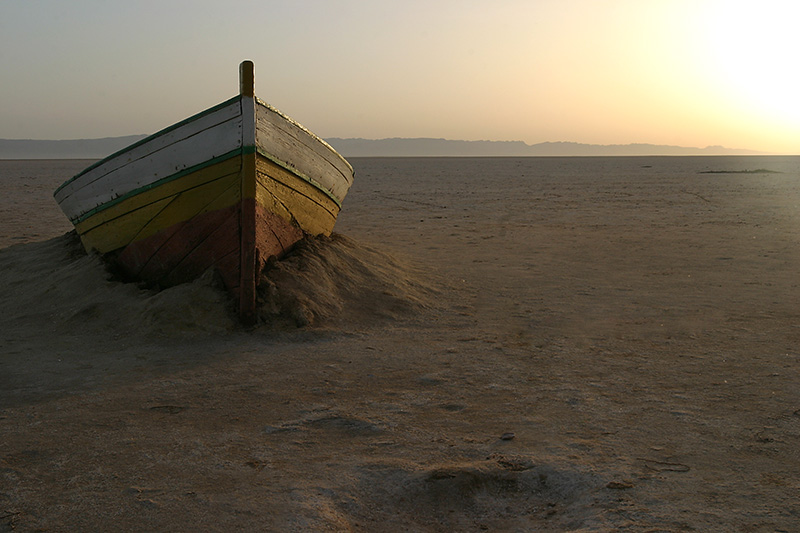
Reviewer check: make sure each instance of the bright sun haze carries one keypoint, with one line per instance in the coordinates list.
(678, 72)
(749, 48)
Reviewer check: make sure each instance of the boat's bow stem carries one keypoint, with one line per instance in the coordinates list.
(247, 283)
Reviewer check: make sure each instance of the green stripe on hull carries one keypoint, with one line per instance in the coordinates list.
(200, 166)
(162, 181)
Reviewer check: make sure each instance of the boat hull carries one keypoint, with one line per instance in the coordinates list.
(225, 189)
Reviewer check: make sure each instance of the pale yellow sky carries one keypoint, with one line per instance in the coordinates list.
(679, 72)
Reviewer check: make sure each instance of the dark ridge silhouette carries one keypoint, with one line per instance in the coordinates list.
(67, 149)
(394, 147)
(420, 147)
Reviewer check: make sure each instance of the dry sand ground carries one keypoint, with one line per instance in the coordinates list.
(635, 333)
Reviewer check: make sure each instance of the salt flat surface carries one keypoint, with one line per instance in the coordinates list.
(548, 344)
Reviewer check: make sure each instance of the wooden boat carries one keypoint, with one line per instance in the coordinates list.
(224, 189)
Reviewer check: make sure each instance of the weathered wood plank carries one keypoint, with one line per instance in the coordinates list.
(218, 245)
(149, 220)
(288, 142)
(143, 221)
(119, 232)
(153, 259)
(311, 210)
(273, 172)
(133, 258)
(274, 236)
(167, 190)
(224, 112)
(182, 242)
(212, 196)
(191, 145)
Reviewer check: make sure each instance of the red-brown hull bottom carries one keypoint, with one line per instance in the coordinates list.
(185, 251)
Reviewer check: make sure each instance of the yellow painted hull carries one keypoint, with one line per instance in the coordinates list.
(211, 189)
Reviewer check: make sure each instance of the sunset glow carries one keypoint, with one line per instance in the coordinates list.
(678, 72)
(750, 46)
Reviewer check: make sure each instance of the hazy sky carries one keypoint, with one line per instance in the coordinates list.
(681, 72)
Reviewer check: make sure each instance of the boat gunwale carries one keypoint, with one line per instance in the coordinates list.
(166, 179)
(309, 132)
(148, 139)
(201, 114)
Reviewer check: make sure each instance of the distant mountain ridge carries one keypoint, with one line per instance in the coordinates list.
(405, 147)
(393, 147)
(69, 149)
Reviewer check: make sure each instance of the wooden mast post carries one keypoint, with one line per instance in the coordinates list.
(247, 79)
(247, 283)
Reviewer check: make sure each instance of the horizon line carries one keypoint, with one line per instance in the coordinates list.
(521, 144)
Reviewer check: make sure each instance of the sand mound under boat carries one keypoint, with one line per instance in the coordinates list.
(333, 280)
(324, 281)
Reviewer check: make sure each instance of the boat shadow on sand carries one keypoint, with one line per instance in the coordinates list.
(61, 306)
